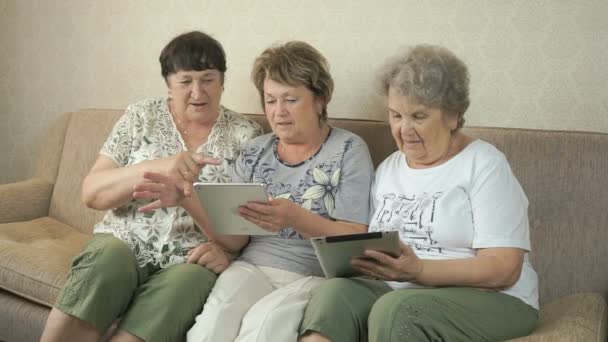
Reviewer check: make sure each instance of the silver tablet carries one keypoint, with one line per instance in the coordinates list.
(222, 202)
(335, 252)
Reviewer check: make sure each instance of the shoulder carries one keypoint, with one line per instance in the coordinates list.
(482, 154)
(147, 108)
(347, 140)
(149, 104)
(390, 163)
(260, 141)
(342, 134)
(256, 149)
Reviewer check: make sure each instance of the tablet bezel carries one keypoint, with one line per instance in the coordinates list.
(221, 202)
(334, 252)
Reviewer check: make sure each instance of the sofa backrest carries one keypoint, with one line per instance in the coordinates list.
(85, 134)
(564, 174)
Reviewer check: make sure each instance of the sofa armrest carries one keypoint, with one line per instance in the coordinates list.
(24, 201)
(577, 317)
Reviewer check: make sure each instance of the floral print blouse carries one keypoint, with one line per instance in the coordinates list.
(146, 131)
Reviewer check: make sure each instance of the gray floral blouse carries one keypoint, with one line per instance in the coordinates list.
(147, 131)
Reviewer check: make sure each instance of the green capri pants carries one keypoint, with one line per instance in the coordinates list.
(155, 304)
(348, 310)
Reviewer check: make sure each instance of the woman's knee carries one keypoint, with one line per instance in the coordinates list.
(108, 260)
(112, 249)
(333, 290)
(192, 279)
(401, 312)
(339, 309)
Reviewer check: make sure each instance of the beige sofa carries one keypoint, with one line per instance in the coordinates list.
(43, 224)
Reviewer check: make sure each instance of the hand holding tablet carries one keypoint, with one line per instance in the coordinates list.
(222, 202)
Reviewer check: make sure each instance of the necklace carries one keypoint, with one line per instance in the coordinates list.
(278, 146)
(181, 127)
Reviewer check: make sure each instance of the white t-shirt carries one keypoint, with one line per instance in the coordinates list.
(472, 201)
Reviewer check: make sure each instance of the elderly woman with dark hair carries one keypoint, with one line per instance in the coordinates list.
(137, 265)
(461, 215)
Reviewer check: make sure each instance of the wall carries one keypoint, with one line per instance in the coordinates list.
(535, 64)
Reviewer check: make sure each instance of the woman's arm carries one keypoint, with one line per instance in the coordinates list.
(280, 213)
(492, 268)
(109, 186)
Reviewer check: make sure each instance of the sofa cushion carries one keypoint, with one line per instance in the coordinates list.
(577, 317)
(35, 257)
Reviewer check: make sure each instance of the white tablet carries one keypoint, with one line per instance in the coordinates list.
(334, 252)
(222, 202)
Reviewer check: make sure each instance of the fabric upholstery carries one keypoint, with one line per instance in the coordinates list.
(571, 318)
(20, 320)
(25, 200)
(47, 165)
(35, 257)
(564, 174)
(85, 134)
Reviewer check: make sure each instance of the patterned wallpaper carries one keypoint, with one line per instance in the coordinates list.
(534, 64)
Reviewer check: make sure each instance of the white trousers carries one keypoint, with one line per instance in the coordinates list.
(251, 303)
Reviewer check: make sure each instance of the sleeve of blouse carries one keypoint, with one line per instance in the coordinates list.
(352, 199)
(119, 143)
(242, 169)
(500, 207)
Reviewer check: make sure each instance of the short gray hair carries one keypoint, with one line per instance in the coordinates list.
(431, 75)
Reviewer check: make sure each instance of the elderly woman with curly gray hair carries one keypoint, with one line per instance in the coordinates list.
(462, 219)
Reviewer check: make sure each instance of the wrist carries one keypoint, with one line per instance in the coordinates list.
(419, 270)
(297, 215)
(189, 203)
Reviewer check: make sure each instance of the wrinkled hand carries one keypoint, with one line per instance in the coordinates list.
(378, 265)
(272, 216)
(162, 189)
(211, 256)
(184, 167)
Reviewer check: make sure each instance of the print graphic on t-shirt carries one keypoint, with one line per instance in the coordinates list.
(412, 217)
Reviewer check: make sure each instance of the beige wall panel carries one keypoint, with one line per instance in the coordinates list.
(534, 64)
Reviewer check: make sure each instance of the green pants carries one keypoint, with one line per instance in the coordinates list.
(155, 304)
(348, 310)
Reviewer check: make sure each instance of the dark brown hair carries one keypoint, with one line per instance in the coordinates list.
(192, 51)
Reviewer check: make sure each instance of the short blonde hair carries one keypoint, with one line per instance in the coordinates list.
(431, 75)
(295, 63)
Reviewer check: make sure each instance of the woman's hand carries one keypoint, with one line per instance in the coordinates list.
(273, 216)
(378, 265)
(184, 167)
(163, 189)
(211, 256)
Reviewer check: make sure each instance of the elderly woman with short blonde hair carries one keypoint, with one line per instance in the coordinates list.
(318, 177)
(462, 218)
